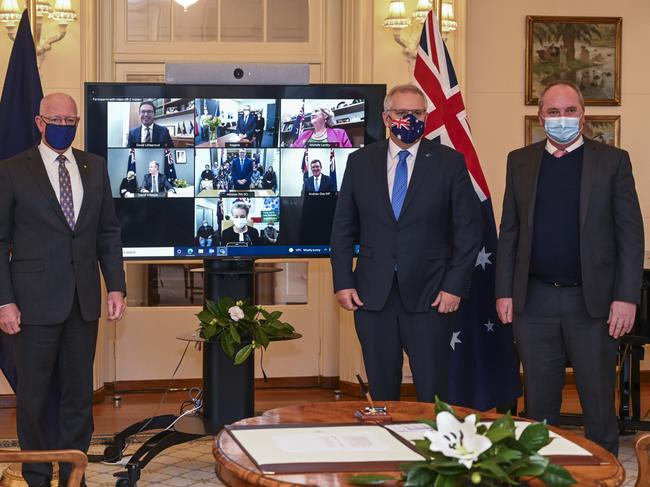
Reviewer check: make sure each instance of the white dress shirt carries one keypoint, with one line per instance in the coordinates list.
(550, 148)
(392, 160)
(143, 133)
(52, 167)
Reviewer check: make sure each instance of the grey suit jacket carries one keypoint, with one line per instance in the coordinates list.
(50, 262)
(433, 244)
(611, 227)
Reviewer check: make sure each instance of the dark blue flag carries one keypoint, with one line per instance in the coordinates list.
(170, 169)
(297, 122)
(333, 168)
(130, 165)
(304, 167)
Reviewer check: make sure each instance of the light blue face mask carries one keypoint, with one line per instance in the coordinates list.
(562, 130)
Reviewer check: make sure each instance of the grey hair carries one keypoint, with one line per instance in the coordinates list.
(561, 82)
(405, 88)
(329, 115)
(240, 205)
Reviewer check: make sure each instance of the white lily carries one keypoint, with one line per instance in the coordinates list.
(236, 313)
(458, 440)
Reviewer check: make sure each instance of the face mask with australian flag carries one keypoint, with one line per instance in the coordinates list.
(407, 129)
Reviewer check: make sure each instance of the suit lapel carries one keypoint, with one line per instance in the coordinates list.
(84, 173)
(423, 163)
(37, 168)
(379, 157)
(587, 178)
(532, 175)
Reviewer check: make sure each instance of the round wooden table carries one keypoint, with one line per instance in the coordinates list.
(236, 469)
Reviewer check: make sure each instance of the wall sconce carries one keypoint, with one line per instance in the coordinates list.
(42, 11)
(186, 3)
(407, 29)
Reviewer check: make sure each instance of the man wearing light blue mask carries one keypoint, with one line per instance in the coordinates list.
(570, 262)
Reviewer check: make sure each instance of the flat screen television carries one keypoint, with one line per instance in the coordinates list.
(228, 171)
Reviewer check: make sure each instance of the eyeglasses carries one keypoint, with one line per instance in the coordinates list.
(400, 113)
(60, 120)
(147, 112)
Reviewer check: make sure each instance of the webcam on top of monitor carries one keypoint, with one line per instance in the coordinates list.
(233, 74)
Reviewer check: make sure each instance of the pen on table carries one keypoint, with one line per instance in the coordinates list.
(365, 391)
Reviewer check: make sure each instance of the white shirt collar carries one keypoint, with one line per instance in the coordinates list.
(49, 155)
(394, 149)
(550, 148)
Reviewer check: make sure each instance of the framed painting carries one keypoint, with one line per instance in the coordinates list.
(602, 128)
(181, 157)
(583, 50)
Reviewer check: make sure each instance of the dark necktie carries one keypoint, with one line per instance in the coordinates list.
(400, 183)
(65, 192)
(147, 137)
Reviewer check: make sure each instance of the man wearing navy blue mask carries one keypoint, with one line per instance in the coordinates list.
(57, 229)
(569, 262)
(410, 206)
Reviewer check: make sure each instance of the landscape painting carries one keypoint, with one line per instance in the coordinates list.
(602, 128)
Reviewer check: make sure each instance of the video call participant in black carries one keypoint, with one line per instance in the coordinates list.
(410, 206)
(270, 234)
(258, 133)
(240, 232)
(241, 171)
(246, 126)
(206, 179)
(205, 234)
(270, 179)
(318, 182)
(149, 133)
(129, 185)
(154, 182)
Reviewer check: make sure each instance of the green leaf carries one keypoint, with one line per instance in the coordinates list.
(243, 354)
(205, 316)
(533, 466)
(535, 436)
(493, 467)
(211, 307)
(444, 481)
(420, 476)
(443, 406)
(261, 337)
(506, 455)
(370, 479)
(235, 334)
(557, 476)
(502, 428)
(227, 344)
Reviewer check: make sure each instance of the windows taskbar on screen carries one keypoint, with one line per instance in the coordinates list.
(269, 251)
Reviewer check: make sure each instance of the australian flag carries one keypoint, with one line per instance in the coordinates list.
(333, 168)
(297, 122)
(305, 165)
(130, 165)
(170, 169)
(484, 366)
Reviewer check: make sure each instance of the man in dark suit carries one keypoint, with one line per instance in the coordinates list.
(57, 228)
(246, 125)
(149, 134)
(242, 171)
(318, 182)
(410, 205)
(154, 182)
(569, 262)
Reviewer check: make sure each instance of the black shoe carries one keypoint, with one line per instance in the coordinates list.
(44, 483)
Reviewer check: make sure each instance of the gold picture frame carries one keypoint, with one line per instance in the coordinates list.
(584, 50)
(603, 128)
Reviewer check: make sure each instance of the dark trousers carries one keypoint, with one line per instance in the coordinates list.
(423, 336)
(554, 329)
(66, 350)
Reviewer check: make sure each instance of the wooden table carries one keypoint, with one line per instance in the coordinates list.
(235, 469)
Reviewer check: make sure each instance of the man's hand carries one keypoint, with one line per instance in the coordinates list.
(241, 181)
(504, 310)
(10, 319)
(446, 303)
(349, 299)
(116, 305)
(621, 318)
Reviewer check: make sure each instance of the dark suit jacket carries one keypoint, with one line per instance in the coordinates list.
(238, 173)
(159, 135)
(326, 185)
(611, 227)
(163, 183)
(246, 127)
(434, 243)
(49, 261)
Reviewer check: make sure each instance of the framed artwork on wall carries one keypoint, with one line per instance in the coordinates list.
(583, 50)
(602, 128)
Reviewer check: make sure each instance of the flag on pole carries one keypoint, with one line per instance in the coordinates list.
(296, 130)
(484, 366)
(130, 165)
(170, 169)
(305, 165)
(333, 168)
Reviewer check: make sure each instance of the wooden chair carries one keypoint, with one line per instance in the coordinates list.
(641, 447)
(77, 458)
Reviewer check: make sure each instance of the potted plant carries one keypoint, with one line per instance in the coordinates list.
(462, 452)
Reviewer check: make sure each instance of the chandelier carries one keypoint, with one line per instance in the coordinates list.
(59, 15)
(186, 3)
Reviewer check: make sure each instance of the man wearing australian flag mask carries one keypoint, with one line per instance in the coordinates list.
(410, 206)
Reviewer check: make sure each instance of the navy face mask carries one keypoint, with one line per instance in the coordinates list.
(60, 137)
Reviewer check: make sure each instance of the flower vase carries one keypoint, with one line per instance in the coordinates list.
(213, 135)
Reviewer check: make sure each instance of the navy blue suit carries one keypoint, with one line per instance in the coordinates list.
(239, 172)
(159, 135)
(246, 126)
(326, 185)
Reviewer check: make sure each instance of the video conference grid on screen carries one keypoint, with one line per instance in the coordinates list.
(259, 175)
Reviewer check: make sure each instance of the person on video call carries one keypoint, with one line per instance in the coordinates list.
(270, 179)
(50, 299)
(205, 234)
(270, 234)
(149, 133)
(410, 205)
(258, 133)
(240, 230)
(246, 125)
(154, 182)
(318, 182)
(206, 179)
(129, 185)
(322, 135)
(242, 171)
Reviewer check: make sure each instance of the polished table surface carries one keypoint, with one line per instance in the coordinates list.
(236, 469)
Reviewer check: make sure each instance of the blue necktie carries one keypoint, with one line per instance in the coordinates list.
(400, 183)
